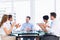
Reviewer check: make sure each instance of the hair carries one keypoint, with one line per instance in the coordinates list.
(53, 14)
(4, 19)
(9, 16)
(28, 17)
(45, 17)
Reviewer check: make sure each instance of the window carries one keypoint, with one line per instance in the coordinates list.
(58, 8)
(22, 9)
(43, 7)
(18, 8)
(5, 8)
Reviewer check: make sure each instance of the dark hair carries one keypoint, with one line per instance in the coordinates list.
(28, 17)
(53, 14)
(45, 17)
(4, 19)
(9, 16)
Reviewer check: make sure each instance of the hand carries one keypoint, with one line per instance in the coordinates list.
(45, 25)
(40, 24)
(17, 25)
(13, 24)
(28, 29)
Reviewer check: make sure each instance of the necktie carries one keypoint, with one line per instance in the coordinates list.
(51, 24)
(10, 23)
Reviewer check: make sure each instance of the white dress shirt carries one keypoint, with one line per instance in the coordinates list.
(55, 28)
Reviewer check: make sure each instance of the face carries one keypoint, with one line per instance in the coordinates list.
(45, 20)
(52, 18)
(27, 19)
(11, 19)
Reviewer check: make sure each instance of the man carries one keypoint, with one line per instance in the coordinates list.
(10, 21)
(10, 18)
(27, 26)
(54, 24)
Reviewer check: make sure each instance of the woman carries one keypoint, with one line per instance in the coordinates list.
(46, 24)
(6, 29)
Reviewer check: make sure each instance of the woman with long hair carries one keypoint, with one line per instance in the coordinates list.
(6, 29)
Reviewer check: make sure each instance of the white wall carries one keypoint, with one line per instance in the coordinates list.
(34, 8)
(58, 8)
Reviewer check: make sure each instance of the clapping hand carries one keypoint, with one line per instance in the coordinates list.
(28, 29)
(17, 25)
(13, 24)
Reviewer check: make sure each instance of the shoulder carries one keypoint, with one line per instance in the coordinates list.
(49, 21)
(56, 21)
(23, 24)
(5, 24)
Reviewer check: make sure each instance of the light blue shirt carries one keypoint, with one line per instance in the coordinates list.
(25, 25)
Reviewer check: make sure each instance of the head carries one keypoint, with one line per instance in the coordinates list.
(45, 18)
(52, 15)
(28, 19)
(4, 19)
(10, 17)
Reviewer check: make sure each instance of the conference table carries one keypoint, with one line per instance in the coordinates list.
(21, 34)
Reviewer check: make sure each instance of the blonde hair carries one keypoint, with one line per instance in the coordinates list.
(4, 19)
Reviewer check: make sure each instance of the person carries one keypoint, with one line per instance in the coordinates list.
(54, 24)
(54, 28)
(45, 24)
(10, 21)
(6, 29)
(16, 26)
(27, 26)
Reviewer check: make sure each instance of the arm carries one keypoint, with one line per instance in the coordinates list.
(43, 27)
(22, 27)
(17, 25)
(8, 31)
